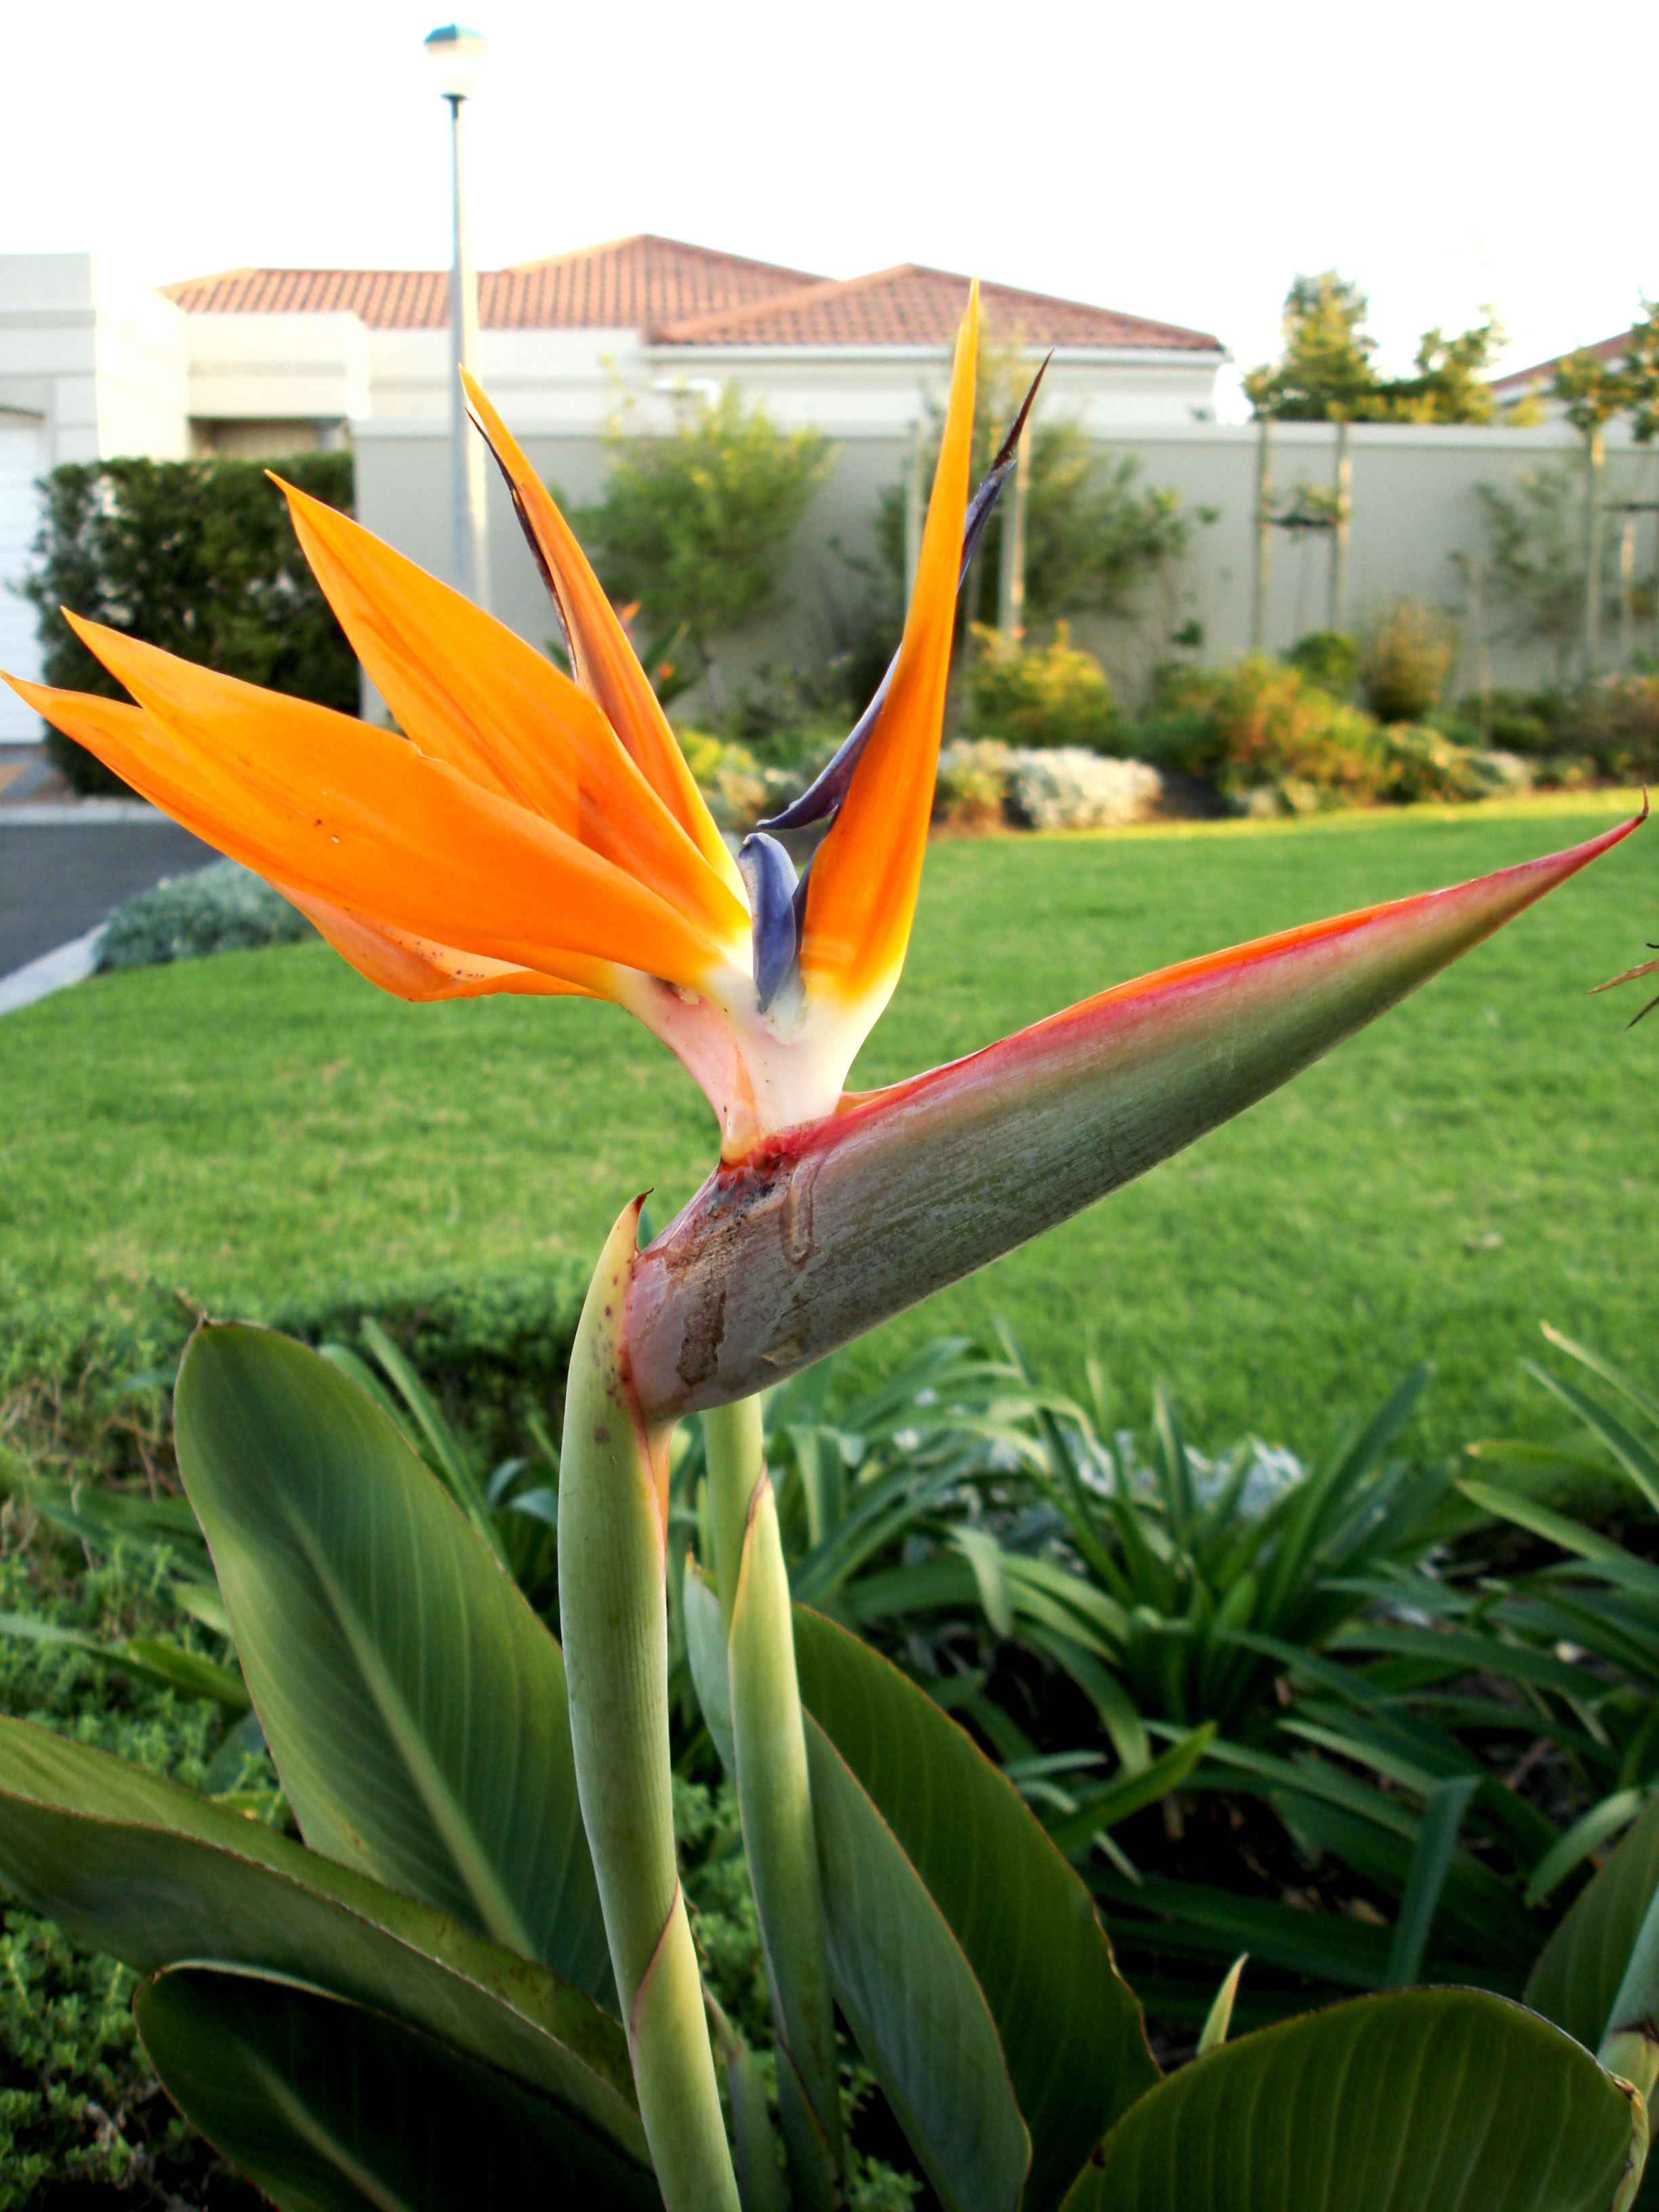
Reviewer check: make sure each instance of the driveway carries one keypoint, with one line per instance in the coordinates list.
(60, 878)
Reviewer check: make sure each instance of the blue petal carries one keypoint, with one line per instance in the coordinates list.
(830, 787)
(768, 876)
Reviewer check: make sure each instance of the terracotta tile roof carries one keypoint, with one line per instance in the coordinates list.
(913, 305)
(1519, 380)
(631, 283)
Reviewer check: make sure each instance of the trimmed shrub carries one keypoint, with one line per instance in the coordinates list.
(225, 907)
(1420, 762)
(1263, 723)
(1039, 696)
(198, 557)
(1404, 662)
(974, 778)
(1066, 788)
(1330, 657)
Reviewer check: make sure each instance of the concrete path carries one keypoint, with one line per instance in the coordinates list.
(64, 870)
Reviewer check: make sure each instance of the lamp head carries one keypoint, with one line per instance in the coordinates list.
(457, 55)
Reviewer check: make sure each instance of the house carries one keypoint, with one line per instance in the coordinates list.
(268, 362)
(1534, 383)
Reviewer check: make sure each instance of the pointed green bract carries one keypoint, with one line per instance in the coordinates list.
(149, 1870)
(781, 1257)
(414, 1704)
(1070, 2027)
(613, 1607)
(329, 2106)
(774, 1795)
(1428, 2100)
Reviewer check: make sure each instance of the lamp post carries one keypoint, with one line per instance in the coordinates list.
(458, 54)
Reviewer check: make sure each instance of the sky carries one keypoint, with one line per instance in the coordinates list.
(1182, 162)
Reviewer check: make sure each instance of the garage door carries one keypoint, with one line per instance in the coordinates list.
(22, 461)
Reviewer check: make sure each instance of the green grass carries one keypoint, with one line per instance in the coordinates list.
(263, 1128)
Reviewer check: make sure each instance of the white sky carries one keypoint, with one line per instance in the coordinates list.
(1180, 161)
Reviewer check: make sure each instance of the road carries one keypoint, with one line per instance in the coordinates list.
(58, 879)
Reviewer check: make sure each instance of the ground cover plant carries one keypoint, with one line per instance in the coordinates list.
(264, 1133)
(477, 1967)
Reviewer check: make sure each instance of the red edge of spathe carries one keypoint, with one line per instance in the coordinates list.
(856, 1108)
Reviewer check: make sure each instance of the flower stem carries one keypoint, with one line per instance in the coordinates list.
(774, 1796)
(613, 1610)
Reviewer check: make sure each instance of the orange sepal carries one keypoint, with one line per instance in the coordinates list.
(606, 664)
(360, 818)
(415, 967)
(861, 898)
(467, 690)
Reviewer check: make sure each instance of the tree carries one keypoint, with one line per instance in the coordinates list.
(198, 557)
(1091, 538)
(691, 524)
(1327, 373)
(1538, 559)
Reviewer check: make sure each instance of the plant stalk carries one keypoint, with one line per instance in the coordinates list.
(775, 1798)
(613, 1606)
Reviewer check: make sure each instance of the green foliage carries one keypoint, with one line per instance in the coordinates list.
(1535, 540)
(1419, 763)
(198, 557)
(692, 525)
(1093, 539)
(222, 908)
(1445, 2098)
(79, 2103)
(1328, 658)
(1036, 695)
(394, 1766)
(1326, 372)
(1405, 658)
(1261, 725)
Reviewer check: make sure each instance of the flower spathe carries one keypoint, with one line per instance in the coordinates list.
(522, 832)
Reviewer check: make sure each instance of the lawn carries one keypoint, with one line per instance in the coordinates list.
(261, 1129)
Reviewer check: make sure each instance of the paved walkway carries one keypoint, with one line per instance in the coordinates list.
(63, 869)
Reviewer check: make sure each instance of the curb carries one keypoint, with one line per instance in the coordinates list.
(52, 971)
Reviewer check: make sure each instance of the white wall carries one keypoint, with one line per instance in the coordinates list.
(278, 368)
(1414, 505)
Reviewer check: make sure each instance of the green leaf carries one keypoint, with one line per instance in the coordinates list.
(1425, 2100)
(1588, 1833)
(1219, 2017)
(1443, 1816)
(1070, 2027)
(329, 2106)
(152, 1873)
(920, 2016)
(1128, 1794)
(754, 2146)
(414, 1704)
(1579, 1971)
(146, 1657)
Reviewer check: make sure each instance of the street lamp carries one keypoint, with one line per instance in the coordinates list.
(458, 54)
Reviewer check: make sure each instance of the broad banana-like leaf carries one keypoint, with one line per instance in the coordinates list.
(414, 1704)
(1600, 1970)
(831, 1228)
(1426, 2100)
(154, 1873)
(329, 2106)
(896, 1965)
(913, 1819)
(911, 1998)
(1070, 2027)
